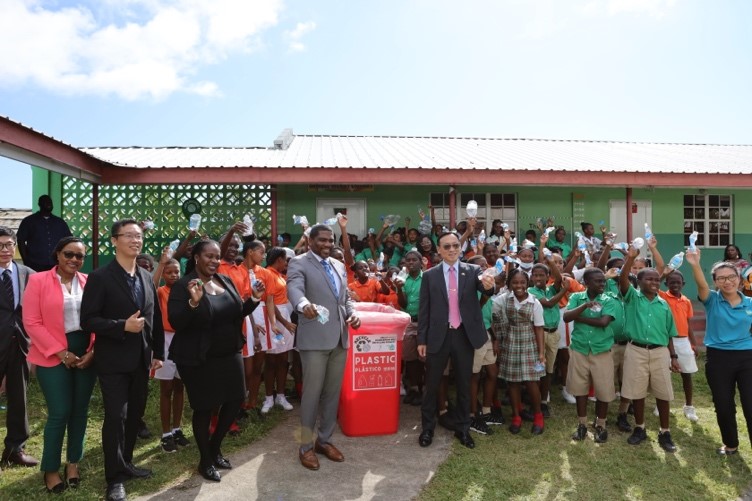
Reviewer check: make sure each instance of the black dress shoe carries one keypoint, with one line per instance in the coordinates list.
(115, 492)
(209, 473)
(465, 439)
(222, 462)
(18, 457)
(426, 438)
(136, 472)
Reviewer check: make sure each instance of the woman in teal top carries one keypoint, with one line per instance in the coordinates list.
(728, 362)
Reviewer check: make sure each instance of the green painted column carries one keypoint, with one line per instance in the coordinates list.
(45, 182)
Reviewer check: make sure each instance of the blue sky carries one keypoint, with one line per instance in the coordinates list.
(236, 72)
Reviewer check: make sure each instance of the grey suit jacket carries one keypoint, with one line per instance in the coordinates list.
(307, 282)
(11, 323)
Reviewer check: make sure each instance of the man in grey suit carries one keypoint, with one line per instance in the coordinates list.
(14, 346)
(315, 280)
(450, 325)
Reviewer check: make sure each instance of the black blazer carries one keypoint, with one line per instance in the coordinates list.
(193, 326)
(433, 312)
(11, 323)
(106, 305)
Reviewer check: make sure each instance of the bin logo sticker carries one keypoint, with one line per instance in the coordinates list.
(375, 363)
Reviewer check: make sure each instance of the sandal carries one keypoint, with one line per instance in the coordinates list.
(74, 479)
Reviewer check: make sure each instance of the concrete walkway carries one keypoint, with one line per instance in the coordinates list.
(392, 467)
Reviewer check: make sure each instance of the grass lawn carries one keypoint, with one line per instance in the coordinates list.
(26, 483)
(552, 466)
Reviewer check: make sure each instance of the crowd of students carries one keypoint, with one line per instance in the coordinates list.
(594, 314)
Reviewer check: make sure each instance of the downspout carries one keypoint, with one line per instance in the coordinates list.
(95, 226)
(452, 206)
(629, 214)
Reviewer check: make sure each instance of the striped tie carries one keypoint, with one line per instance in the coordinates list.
(330, 274)
(8, 288)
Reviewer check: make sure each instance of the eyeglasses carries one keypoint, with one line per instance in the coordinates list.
(71, 255)
(130, 236)
(727, 278)
(450, 246)
(7, 245)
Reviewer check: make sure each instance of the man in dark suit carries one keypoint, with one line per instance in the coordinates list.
(38, 234)
(450, 325)
(120, 306)
(14, 346)
(313, 279)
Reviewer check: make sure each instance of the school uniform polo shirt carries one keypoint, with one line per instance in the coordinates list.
(367, 292)
(728, 327)
(551, 315)
(411, 288)
(587, 339)
(617, 326)
(681, 308)
(648, 321)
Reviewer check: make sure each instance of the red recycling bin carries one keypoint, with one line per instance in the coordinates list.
(369, 400)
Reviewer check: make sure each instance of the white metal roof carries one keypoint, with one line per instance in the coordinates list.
(386, 152)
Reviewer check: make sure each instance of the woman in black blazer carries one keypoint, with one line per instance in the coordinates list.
(207, 313)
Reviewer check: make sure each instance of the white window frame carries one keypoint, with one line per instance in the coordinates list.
(705, 223)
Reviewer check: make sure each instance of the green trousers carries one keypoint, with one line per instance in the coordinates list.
(67, 392)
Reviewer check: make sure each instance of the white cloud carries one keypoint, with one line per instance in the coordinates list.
(294, 36)
(134, 49)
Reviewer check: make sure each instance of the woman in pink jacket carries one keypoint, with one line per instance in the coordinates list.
(63, 355)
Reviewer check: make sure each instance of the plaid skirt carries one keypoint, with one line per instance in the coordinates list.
(518, 353)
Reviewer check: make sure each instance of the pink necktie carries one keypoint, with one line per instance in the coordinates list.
(454, 303)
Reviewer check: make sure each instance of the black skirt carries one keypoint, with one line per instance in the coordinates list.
(216, 381)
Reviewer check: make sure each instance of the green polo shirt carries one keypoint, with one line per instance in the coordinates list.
(551, 316)
(648, 322)
(486, 311)
(566, 249)
(587, 339)
(412, 293)
(366, 254)
(612, 289)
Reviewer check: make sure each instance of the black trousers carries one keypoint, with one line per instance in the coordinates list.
(727, 370)
(456, 347)
(124, 398)
(15, 369)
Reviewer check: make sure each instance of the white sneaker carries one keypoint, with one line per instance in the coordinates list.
(282, 402)
(268, 404)
(689, 412)
(655, 411)
(568, 397)
(403, 391)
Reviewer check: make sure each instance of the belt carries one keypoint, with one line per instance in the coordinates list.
(550, 330)
(621, 343)
(459, 327)
(647, 346)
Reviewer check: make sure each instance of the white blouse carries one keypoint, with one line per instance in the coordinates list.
(72, 305)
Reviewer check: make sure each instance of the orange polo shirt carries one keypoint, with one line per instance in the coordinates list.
(367, 292)
(276, 285)
(239, 276)
(574, 286)
(390, 299)
(681, 309)
(163, 293)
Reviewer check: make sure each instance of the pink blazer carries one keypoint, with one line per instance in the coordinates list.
(43, 317)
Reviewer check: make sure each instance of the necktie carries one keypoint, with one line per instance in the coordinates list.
(330, 274)
(454, 302)
(8, 288)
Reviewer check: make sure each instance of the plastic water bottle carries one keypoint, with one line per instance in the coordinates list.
(254, 281)
(472, 208)
(622, 246)
(474, 244)
(301, 220)
(588, 261)
(596, 308)
(693, 241)
(549, 230)
(148, 224)
(421, 212)
(174, 246)
(380, 262)
(482, 237)
(390, 219)
(513, 246)
(676, 261)
(323, 314)
(499, 266)
(402, 275)
(638, 243)
(505, 226)
(547, 252)
(194, 223)
(248, 222)
(539, 368)
(527, 244)
(648, 232)
(331, 221)
(371, 231)
(280, 240)
(424, 227)
(581, 244)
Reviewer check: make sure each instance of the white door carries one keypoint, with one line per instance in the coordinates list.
(642, 212)
(353, 208)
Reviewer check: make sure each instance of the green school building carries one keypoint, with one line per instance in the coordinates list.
(674, 188)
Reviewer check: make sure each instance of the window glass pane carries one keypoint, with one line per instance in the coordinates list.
(437, 199)
(699, 213)
(725, 213)
(725, 201)
(714, 240)
(510, 200)
(497, 199)
(465, 198)
(713, 200)
(480, 198)
(688, 200)
(724, 240)
(700, 200)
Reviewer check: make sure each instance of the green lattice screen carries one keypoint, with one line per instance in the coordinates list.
(221, 206)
